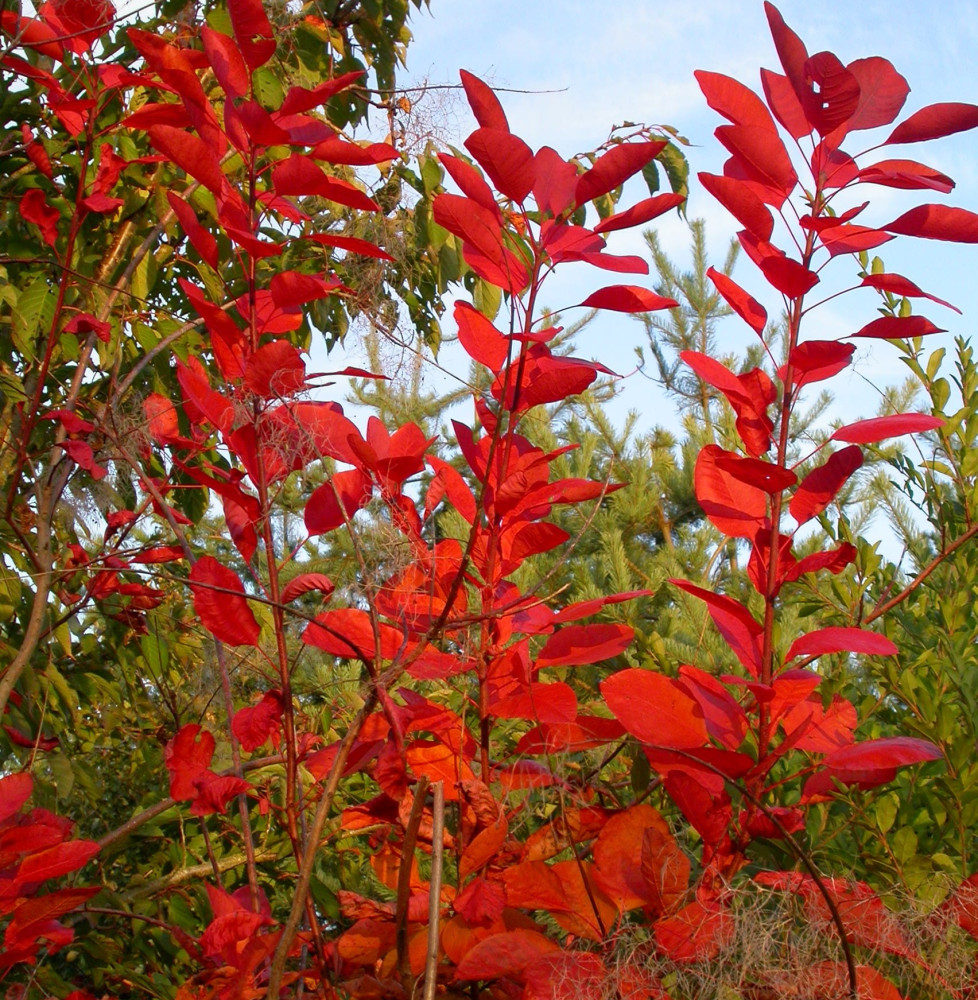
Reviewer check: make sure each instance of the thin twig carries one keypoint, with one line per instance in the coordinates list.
(404, 885)
(434, 891)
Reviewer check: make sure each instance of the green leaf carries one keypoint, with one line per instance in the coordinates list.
(487, 298)
(886, 811)
(677, 168)
(650, 172)
(35, 309)
(10, 592)
(63, 775)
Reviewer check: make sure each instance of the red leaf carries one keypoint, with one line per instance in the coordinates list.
(834, 560)
(191, 154)
(30, 742)
(749, 394)
(906, 174)
(457, 491)
(215, 791)
(733, 507)
(548, 378)
(299, 175)
(504, 269)
(555, 182)
(735, 623)
(783, 101)
(506, 158)
(696, 933)
(336, 501)
(879, 428)
(762, 156)
(888, 752)
(542, 702)
(299, 433)
(832, 168)
(742, 303)
(851, 239)
(34, 208)
(897, 284)
(791, 52)
(187, 758)
(506, 954)
(882, 93)
(299, 99)
(831, 93)
(252, 31)
(817, 360)
(937, 222)
(337, 150)
(622, 264)
(475, 224)
(352, 244)
(527, 540)
(470, 181)
(820, 487)
(644, 211)
(725, 718)
(227, 62)
(730, 98)
(292, 289)
(275, 369)
(200, 239)
(480, 902)
(483, 102)
(790, 277)
(627, 884)
(253, 726)
(220, 603)
(615, 167)
(15, 790)
(898, 328)
(934, 122)
(480, 339)
(304, 583)
(57, 860)
(627, 298)
(841, 640)
(574, 645)
(349, 633)
(655, 709)
(32, 33)
(741, 201)
(756, 472)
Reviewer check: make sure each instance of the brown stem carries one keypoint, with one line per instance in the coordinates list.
(434, 891)
(39, 607)
(153, 811)
(881, 609)
(246, 832)
(312, 847)
(194, 873)
(404, 885)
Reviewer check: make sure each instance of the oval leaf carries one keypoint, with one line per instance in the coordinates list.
(898, 328)
(879, 428)
(934, 122)
(655, 709)
(841, 640)
(627, 298)
(820, 487)
(575, 645)
(219, 600)
(937, 222)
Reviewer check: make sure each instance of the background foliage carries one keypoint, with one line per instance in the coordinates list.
(403, 698)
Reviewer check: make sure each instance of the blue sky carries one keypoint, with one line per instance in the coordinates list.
(604, 63)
